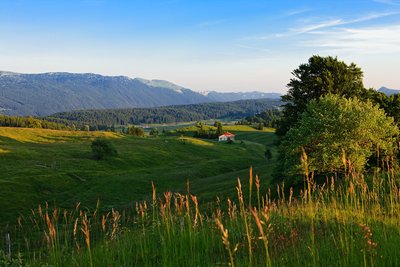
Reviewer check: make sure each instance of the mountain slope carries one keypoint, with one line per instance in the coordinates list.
(44, 94)
(48, 93)
(388, 91)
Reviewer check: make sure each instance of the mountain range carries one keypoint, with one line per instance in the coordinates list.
(388, 91)
(48, 93)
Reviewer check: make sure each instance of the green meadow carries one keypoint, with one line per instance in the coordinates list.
(39, 165)
(60, 207)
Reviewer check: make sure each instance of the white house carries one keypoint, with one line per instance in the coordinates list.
(226, 137)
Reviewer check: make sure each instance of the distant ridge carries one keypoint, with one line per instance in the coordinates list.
(388, 91)
(47, 93)
(229, 96)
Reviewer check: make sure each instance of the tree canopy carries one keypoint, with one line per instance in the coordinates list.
(334, 131)
(318, 77)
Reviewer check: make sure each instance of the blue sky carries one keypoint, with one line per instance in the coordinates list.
(223, 45)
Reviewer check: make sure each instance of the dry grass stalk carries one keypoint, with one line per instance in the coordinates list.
(86, 232)
(51, 230)
(225, 241)
(115, 223)
(197, 214)
(258, 191)
(153, 188)
(259, 224)
(250, 184)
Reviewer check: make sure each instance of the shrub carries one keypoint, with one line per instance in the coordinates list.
(336, 133)
(154, 132)
(135, 131)
(102, 148)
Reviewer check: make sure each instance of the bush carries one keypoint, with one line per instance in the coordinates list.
(154, 132)
(135, 131)
(102, 148)
(335, 132)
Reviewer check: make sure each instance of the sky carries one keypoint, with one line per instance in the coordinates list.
(222, 45)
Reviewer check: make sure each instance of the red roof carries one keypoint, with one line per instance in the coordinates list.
(228, 134)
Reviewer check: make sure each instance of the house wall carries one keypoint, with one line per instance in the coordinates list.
(225, 138)
(222, 138)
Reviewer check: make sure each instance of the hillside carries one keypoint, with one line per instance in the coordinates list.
(388, 91)
(48, 93)
(75, 211)
(107, 118)
(41, 165)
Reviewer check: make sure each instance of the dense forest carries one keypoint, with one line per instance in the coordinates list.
(30, 122)
(103, 119)
(268, 118)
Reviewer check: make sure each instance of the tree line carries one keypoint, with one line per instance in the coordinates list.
(269, 118)
(106, 119)
(30, 122)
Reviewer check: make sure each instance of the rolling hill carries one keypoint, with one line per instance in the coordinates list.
(56, 166)
(170, 114)
(48, 93)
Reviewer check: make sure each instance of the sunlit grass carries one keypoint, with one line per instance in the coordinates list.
(340, 223)
(3, 151)
(50, 136)
(196, 141)
(246, 128)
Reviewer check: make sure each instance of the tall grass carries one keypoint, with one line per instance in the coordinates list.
(345, 222)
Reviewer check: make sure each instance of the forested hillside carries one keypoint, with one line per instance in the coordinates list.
(170, 114)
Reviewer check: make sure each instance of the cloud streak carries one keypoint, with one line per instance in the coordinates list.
(296, 12)
(325, 24)
(388, 2)
(367, 40)
(340, 22)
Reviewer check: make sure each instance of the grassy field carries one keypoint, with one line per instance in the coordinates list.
(56, 166)
(217, 221)
(336, 224)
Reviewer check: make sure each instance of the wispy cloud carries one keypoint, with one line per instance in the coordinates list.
(323, 24)
(313, 27)
(367, 40)
(296, 12)
(339, 22)
(389, 2)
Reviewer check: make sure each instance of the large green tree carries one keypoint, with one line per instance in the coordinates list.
(318, 77)
(334, 128)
